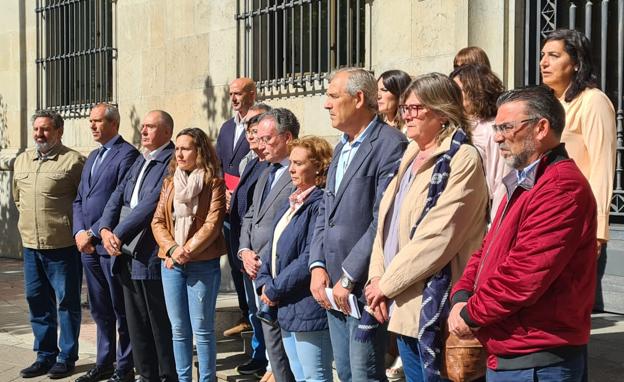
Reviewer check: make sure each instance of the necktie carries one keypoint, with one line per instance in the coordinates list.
(271, 178)
(97, 162)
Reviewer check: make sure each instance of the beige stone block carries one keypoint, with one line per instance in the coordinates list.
(129, 76)
(220, 51)
(391, 36)
(442, 27)
(210, 18)
(153, 78)
(186, 63)
(9, 20)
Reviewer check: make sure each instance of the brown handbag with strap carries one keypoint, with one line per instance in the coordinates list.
(462, 360)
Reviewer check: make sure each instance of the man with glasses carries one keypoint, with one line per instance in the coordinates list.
(364, 162)
(528, 293)
(276, 129)
(241, 200)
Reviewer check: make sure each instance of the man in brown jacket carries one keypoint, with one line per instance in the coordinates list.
(44, 187)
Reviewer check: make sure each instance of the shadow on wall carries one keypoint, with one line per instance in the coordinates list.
(135, 122)
(210, 106)
(10, 245)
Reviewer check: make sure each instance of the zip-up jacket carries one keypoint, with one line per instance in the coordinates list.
(530, 288)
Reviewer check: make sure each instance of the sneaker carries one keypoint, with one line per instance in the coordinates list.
(36, 369)
(60, 370)
(97, 373)
(122, 376)
(242, 326)
(250, 367)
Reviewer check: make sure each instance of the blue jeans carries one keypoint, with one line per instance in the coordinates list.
(356, 361)
(258, 351)
(569, 370)
(52, 282)
(409, 350)
(309, 354)
(191, 299)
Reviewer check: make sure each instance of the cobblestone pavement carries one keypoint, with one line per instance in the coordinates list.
(606, 360)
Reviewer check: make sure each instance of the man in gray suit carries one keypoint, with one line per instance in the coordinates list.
(276, 129)
(364, 162)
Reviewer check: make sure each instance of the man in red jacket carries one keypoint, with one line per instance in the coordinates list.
(527, 294)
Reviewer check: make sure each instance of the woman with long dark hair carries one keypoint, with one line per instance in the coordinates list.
(589, 134)
(390, 86)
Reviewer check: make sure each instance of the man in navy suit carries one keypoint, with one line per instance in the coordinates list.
(104, 170)
(231, 148)
(139, 271)
(364, 162)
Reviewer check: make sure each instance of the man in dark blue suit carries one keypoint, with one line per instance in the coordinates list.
(364, 162)
(240, 203)
(231, 148)
(104, 170)
(139, 269)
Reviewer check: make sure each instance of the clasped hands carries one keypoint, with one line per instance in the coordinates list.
(179, 256)
(83, 242)
(251, 263)
(376, 300)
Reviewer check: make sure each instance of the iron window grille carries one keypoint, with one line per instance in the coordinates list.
(75, 55)
(295, 44)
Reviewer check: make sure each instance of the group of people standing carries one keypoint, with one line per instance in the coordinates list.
(448, 202)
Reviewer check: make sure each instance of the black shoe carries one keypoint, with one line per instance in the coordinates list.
(97, 373)
(36, 369)
(60, 370)
(122, 376)
(250, 367)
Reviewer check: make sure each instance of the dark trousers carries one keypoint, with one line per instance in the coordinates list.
(148, 324)
(236, 265)
(107, 309)
(277, 354)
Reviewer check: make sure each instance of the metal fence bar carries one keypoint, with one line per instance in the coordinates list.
(538, 38)
(572, 16)
(588, 19)
(349, 52)
(358, 41)
(619, 167)
(604, 19)
(527, 40)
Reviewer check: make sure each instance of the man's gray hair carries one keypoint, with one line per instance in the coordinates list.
(540, 102)
(111, 112)
(261, 107)
(360, 80)
(285, 121)
(56, 118)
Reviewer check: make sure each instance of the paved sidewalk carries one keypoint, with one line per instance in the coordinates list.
(605, 349)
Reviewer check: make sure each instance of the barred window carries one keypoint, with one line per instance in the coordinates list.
(75, 55)
(298, 42)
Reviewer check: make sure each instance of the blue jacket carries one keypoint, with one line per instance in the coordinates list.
(241, 199)
(230, 156)
(347, 223)
(297, 310)
(92, 196)
(146, 266)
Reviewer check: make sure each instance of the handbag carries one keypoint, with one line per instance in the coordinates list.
(130, 248)
(463, 360)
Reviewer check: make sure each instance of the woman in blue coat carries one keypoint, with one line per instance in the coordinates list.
(284, 278)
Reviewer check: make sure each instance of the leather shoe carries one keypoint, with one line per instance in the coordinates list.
(36, 369)
(60, 370)
(96, 373)
(122, 376)
(242, 325)
(267, 377)
(250, 367)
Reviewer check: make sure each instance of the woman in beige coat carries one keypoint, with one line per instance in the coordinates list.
(414, 244)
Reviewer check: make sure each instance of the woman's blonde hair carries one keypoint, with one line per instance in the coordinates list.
(443, 96)
(320, 154)
(206, 154)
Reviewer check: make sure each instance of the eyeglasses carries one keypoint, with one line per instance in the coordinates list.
(506, 127)
(267, 140)
(251, 132)
(411, 110)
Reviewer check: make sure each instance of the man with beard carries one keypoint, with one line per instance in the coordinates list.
(528, 293)
(44, 186)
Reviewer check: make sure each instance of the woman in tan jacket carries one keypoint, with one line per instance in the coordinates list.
(431, 218)
(188, 225)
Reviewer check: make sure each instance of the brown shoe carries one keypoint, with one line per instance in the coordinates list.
(267, 377)
(242, 326)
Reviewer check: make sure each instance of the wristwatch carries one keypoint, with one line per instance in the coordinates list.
(346, 283)
(89, 233)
